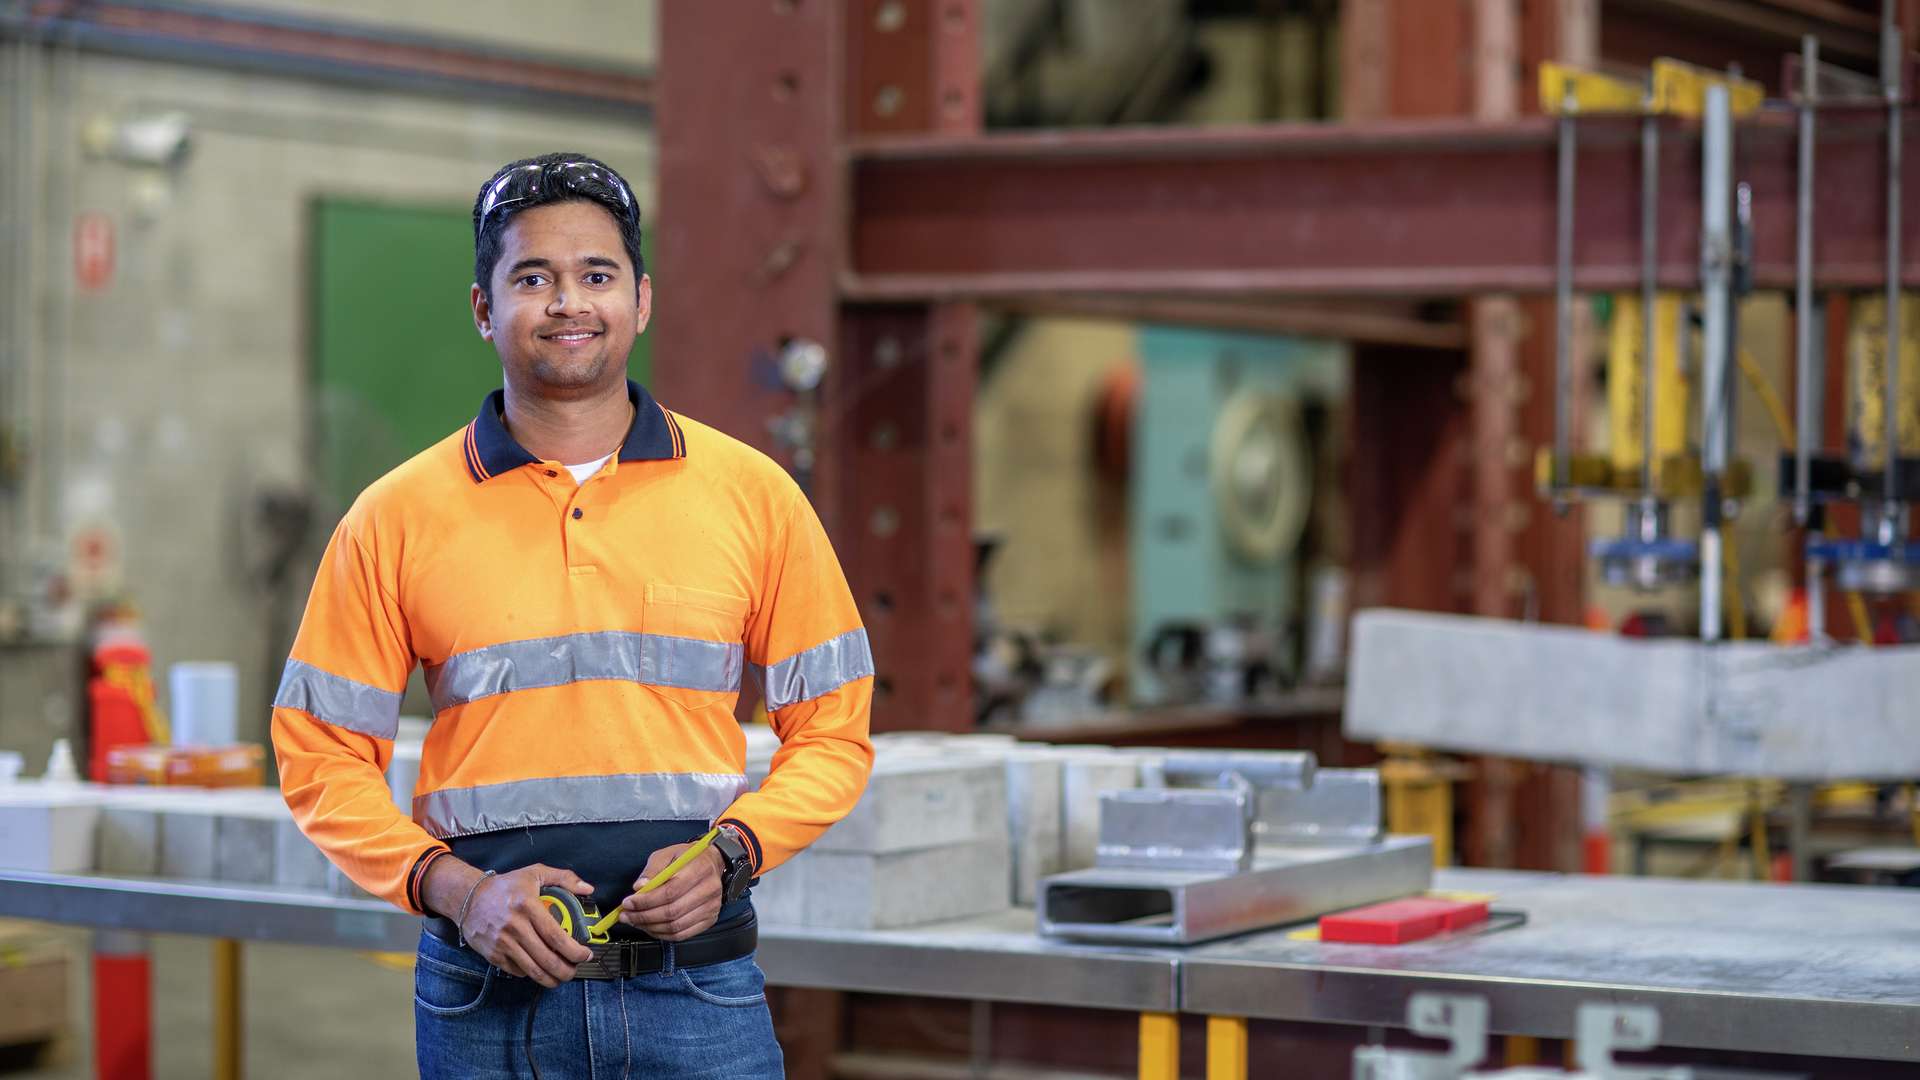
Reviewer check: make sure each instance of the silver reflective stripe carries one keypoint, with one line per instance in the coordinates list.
(567, 800)
(819, 670)
(341, 702)
(653, 659)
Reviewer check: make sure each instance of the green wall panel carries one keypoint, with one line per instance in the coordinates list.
(397, 364)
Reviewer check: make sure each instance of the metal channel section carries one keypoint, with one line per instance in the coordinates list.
(1727, 965)
(1180, 907)
(1224, 842)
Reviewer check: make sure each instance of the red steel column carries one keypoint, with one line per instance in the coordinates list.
(753, 108)
(747, 233)
(896, 430)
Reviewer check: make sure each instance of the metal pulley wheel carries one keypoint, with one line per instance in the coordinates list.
(1262, 483)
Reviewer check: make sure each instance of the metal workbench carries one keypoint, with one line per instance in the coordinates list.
(1831, 971)
(1823, 970)
(991, 958)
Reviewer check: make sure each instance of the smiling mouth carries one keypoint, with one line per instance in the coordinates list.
(572, 336)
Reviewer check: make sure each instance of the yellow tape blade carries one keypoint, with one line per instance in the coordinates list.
(678, 864)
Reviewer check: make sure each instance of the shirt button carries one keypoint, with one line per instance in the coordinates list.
(578, 513)
(550, 472)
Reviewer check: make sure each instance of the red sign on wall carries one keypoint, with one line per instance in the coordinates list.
(93, 250)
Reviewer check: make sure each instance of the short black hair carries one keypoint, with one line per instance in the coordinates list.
(486, 234)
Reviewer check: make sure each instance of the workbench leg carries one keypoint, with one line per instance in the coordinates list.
(1159, 1046)
(122, 1006)
(1799, 827)
(1226, 1048)
(1522, 1050)
(980, 1039)
(226, 1009)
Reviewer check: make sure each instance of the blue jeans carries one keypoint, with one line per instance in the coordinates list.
(470, 1022)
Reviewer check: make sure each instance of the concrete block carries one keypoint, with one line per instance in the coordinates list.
(1034, 794)
(762, 743)
(984, 743)
(1798, 712)
(339, 884)
(781, 897)
(188, 841)
(918, 801)
(297, 864)
(128, 839)
(1085, 773)
(403, 773)
(246, 834)
(846, 891)
(244, 845)
(48, 828)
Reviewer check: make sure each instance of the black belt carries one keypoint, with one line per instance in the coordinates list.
(623, 958)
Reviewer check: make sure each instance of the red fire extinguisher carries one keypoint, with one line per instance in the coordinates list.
(121, 709)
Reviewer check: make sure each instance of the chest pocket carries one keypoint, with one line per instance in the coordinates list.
(679, 611)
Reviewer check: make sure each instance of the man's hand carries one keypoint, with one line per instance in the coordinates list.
(506, 923)
(685, 905)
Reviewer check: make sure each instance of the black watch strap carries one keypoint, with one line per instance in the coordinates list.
(738, 871)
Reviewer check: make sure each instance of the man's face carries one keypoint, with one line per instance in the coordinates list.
(566, 306)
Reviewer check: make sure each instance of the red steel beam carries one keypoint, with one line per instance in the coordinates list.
(1428, 208)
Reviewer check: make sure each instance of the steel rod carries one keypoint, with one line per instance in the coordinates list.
(1716, 276)
(1890, 76)
(1803, 288)
(1563, 296)
(1649, 270)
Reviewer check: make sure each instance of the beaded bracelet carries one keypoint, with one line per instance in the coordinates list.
(461, 922)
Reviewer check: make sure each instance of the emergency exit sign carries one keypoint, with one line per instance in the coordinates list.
(93, 251)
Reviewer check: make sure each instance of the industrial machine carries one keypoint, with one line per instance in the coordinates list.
(1228, 842)
(1674, 360)
(1221, 489)
(1706, 703)
(1669, 353)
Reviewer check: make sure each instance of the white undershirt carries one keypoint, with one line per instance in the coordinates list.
(581, 472)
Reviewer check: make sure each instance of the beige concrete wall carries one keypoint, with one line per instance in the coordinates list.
(169, 401)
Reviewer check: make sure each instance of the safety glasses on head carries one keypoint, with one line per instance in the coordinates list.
(588, 179)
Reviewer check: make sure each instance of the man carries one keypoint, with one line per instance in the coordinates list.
(584, 576)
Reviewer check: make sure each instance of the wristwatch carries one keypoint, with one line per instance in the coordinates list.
(737, 873)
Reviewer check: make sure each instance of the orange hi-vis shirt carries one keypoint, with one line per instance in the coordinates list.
(583, 647)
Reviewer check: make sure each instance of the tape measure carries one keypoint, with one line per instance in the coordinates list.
(581, 919)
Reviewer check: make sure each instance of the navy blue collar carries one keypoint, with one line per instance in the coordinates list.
(654, 435)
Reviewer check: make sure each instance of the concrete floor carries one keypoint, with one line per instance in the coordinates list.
(309, 1014)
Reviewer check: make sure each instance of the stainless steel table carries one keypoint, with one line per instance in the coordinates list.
(1831, 971)
(992, 958)
(1824, 970)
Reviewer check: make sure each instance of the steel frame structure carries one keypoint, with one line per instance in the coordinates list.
(823, 177)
